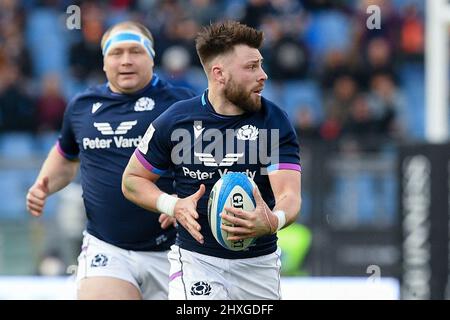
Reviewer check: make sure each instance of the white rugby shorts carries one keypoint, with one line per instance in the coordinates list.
(195, 276)
(146, 270)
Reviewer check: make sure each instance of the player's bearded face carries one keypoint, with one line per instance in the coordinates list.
(242, 96)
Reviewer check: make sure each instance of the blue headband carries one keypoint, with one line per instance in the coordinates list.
(128, 36)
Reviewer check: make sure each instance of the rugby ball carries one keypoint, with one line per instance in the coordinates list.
(233, 190)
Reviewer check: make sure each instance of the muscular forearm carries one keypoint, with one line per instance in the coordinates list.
(60, 171)
(140, 191)
(290, 203)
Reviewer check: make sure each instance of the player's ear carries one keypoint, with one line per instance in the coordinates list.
(217, 73)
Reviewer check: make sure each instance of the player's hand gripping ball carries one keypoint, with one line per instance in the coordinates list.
(233, 190)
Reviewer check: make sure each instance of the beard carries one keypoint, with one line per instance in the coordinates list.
(240, 98)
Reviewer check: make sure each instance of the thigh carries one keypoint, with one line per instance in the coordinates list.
(106, 288)
(195, 277)
(154, 274)
(104, 266)
(256, 278)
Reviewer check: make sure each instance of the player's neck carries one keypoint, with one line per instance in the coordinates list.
(223, 106)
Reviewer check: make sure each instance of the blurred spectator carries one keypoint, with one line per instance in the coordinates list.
(337, 104)
(180, 33)
(86, 59)
(378, 58)
(287, 57)
(255, 11)
(50, 105)
(175, 63)
(305, 126)
(17, 111)
(387, 103)
(15, 48)
(12, 20)
(159, 14)
(412, 34)
(11, 12)
(344, 90)
(335, 64)
(331, 127)
(364, 128)
(289, 60)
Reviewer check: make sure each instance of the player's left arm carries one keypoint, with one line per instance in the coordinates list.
(286, 187)
(284, 177)
(263, 221)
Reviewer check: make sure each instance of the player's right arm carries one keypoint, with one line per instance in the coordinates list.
(60, 167)
(139, 186)
(149, 161)
(56, 173)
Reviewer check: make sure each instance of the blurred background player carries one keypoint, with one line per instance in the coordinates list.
(124, 251)
(200, 267)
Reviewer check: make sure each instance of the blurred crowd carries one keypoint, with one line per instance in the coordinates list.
(337, 79)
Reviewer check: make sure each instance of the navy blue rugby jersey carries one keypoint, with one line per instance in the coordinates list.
(102, 129)
(200, 145)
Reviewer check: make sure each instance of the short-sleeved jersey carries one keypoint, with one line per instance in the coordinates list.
(102, 129)
(200, 145)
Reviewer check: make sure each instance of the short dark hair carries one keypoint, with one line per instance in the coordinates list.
(221, 37)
